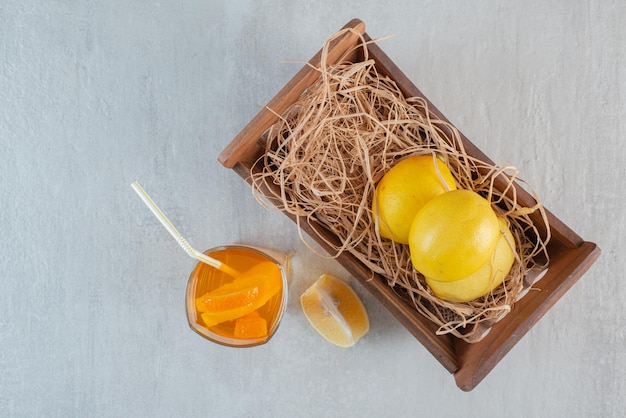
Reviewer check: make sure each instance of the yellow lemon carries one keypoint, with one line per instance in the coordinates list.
(404, 189)
(335, 311)
(487, 278)
(453, 235)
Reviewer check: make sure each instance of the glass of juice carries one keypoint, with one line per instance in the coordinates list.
(243, 310)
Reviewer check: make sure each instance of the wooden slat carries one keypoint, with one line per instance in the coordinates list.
(477, 360)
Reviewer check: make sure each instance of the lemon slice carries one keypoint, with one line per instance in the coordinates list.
(335, 311)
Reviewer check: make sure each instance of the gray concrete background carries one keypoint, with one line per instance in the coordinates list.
(95, 95)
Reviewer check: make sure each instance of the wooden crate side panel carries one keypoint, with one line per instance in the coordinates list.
(477, 360)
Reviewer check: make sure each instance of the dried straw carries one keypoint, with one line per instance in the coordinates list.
(328, 150)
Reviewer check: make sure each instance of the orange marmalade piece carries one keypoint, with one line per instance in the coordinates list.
(251, 326)
(242, 296)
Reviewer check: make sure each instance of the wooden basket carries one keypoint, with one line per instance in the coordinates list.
(570, 256)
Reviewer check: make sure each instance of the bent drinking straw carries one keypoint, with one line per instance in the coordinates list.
(177, 236)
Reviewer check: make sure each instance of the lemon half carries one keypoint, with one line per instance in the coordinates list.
(335, 311)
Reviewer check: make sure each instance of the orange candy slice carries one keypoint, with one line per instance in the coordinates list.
(242, 296)
(251, 326)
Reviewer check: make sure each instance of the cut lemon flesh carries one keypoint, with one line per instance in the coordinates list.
(335, 311)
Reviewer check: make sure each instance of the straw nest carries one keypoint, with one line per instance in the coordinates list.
(326, 153)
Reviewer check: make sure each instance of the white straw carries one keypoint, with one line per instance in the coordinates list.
(177, 236)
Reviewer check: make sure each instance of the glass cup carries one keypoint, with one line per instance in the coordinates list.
(241, 328)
